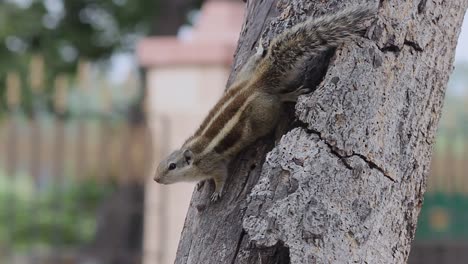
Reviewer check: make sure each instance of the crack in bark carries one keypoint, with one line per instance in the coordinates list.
(239, 242)
(244, 183)
(335, 151)
(413, 45)
(396, 49)
(190, 249)
(390, 48)
(373, 165)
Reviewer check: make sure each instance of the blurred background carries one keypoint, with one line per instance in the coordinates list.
(85, 114)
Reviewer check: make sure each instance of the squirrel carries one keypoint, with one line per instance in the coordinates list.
(250, 107)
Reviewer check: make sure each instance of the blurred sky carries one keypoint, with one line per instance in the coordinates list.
(462, 47)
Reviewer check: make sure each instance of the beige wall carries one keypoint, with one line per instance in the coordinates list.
(179, 97)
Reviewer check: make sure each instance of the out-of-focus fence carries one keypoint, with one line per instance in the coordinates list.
(73, 157)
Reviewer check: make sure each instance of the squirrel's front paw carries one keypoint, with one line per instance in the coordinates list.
(215, 196)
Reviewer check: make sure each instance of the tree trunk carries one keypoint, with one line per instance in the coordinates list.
(346, 181)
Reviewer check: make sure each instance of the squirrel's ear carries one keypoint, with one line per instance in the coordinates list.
(188, 155)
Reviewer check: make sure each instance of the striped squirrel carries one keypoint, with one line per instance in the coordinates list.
(250, 107)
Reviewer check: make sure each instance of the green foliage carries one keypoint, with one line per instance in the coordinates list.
(66, 31)
(62, 216)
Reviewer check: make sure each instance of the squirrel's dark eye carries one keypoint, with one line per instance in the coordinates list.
(172, 166)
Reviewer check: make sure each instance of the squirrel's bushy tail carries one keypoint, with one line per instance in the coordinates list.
(314, 36)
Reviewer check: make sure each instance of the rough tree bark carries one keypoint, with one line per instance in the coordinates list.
(346, 181)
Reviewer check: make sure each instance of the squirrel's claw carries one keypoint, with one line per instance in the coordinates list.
(215, 197)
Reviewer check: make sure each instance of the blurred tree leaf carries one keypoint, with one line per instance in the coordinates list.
(66, 31)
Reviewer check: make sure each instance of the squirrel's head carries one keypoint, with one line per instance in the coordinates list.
(177, 167)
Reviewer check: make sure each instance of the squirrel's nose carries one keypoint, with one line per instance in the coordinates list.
(157, 180)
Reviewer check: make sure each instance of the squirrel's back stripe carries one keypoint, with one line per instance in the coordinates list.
(229, 110)
(229, 124)
(219, 108)
(230, 139)
(227, 107)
